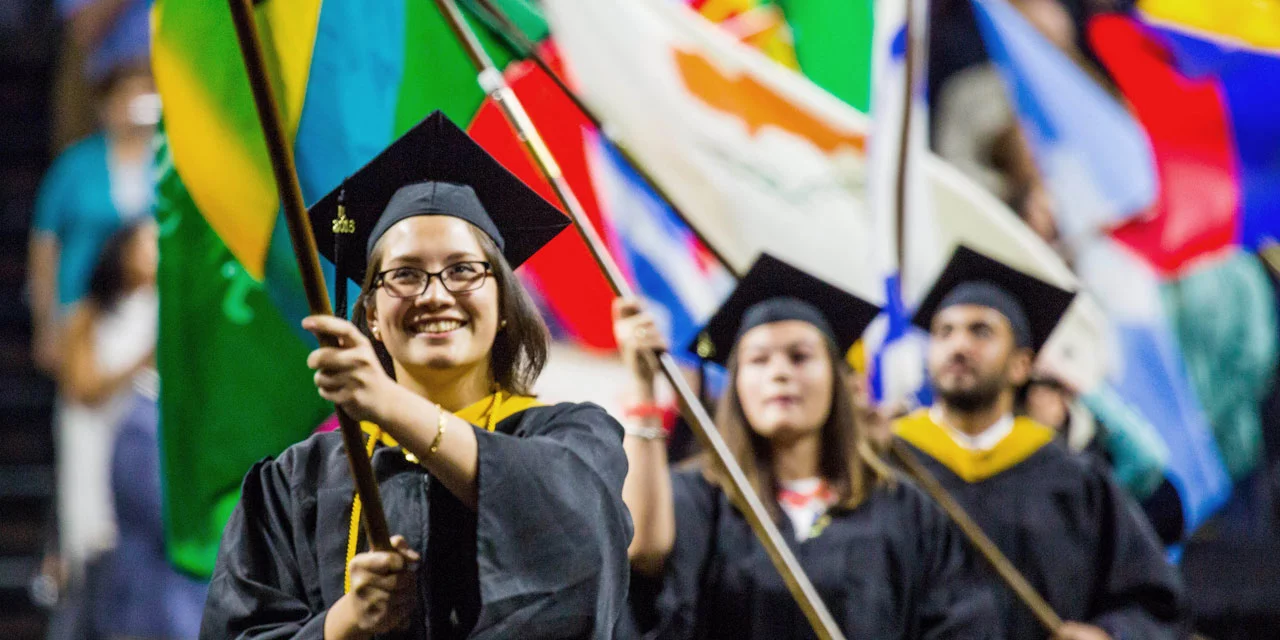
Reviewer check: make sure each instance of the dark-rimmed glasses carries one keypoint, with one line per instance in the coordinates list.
(411, 282)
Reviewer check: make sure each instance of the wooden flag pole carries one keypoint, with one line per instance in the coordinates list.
(1027, 594)
(304, 250)
(493, 83)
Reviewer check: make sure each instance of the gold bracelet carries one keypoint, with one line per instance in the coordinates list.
(441, 423)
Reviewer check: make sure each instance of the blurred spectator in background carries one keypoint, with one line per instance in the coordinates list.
(1033, 202)
(109, 339)
(1102, 426)
(975, 128)
(95, 186)
(99, 36)
(140, 595)
(975, 131)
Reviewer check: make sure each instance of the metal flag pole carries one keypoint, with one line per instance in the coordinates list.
(493, 83)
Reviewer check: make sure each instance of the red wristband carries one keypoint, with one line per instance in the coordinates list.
(645, 410)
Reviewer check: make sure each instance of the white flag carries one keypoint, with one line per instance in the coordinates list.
(757, 156)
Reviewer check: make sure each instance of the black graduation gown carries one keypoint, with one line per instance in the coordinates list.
(1079, 540)
(891, 568)
(544, 556)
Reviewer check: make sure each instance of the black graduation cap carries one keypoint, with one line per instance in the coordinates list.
(773, 291)
(973, 278)
(434, 169)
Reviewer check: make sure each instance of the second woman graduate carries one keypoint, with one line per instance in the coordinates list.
(885, 560)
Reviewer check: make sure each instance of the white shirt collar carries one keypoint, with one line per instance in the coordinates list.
(984, 441)
(803, 486)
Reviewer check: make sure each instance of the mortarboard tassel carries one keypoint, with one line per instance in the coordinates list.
(705, 351)
(343, 229)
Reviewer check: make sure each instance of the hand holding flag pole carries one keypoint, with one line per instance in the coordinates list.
(493, 83)
(304, 250)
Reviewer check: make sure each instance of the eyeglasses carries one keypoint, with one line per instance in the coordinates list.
(411, 282)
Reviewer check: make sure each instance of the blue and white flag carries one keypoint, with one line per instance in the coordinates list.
(897, 373)
(660, 252)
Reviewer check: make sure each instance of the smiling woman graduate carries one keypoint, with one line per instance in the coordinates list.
(509, 514)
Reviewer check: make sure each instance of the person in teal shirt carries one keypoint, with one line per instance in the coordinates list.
(90, 191)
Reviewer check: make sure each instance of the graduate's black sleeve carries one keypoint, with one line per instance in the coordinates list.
(953, 602)
(258, 589)
(1141, 595)
(551, 528)
(672, 601)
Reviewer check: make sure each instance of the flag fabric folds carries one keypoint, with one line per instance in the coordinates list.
(752, 153)
(231, 364)
(1220, 179)
(1220, 192)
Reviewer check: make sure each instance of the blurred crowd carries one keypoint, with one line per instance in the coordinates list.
(92, 293)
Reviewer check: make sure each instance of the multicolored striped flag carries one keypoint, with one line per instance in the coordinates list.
(234, 381)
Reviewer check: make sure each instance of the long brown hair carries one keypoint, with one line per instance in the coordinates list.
(846, 459)
(107, 280)
(519, 351)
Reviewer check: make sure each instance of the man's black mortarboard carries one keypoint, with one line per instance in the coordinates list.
(435, 169)
(773, 291)
(1032, 306)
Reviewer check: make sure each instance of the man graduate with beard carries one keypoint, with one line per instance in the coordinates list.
(1061, 520)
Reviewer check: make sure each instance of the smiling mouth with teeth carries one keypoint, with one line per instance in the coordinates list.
(437, 326)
